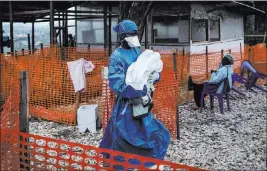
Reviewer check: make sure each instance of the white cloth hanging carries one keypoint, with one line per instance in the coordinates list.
(77, 70)
(139, 71)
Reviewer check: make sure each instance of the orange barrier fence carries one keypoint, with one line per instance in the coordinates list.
(24, 151)
(52, 94)
(258, 56)
(51, 90)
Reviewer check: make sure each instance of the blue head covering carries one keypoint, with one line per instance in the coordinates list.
(125, 26)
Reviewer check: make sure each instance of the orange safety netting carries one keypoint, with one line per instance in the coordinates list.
(258, 56)
(52, 94)
(24, 151)
(51, 90)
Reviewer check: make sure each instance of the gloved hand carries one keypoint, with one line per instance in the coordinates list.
(145, 100)
(135, 101)
(212, 71)
(153, 77)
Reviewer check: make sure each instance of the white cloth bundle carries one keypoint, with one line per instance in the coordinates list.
(139, 71)
(77, 71)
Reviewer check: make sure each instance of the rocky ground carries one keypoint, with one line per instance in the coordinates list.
(235, 140)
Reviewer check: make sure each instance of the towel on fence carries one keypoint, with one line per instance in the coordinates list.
(139, 71)
(77, 70)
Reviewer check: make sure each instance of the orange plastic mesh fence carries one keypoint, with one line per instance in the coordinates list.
(9, 125)
(258, 57)
(23, 151)
(51, 90)
(52, 94)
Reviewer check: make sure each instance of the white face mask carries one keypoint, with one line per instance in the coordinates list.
(133, 41)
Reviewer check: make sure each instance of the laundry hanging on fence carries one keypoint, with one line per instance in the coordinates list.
(139, 71)
(77, 70)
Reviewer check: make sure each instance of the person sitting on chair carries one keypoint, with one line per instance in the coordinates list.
(225, 70)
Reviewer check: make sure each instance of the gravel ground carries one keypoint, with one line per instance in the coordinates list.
(235, 140)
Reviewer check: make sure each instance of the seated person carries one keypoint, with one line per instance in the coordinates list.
(225, 70)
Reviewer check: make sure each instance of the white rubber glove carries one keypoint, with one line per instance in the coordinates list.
(153, 77)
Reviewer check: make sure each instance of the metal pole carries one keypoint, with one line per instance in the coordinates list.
(52, 23)
(11, 28)
(110, 42)
(33, 36)
(105, 27)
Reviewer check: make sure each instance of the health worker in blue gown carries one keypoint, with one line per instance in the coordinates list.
(145, 136)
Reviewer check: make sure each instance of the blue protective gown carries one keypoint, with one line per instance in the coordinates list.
(146, 136)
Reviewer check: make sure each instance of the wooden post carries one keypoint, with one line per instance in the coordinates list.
(77, 104)
(252, 56)
(221, 54)
(76, 31)
(208, 30)
(109, 35)
(24, 113)
(178, 117)
(175, 70)
(24, 100)
(59, 31)
(230, 51)
(29, 44)
(22, 51)
(146, 33)
(66, 29)
(241, 54)
(249, 58)
(175, 65)
(33, 37)
(1, 30)
(52, 23)
(182, 69)
(249, 54)
(11, 28)
(207, 63)
(105, 27)
(188, 73)
(42, 50)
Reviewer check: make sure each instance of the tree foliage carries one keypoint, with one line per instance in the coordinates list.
(136, 11)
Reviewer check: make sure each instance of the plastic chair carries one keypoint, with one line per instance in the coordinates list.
(251, 81)
(211, 89)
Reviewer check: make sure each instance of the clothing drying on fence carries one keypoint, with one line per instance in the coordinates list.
(145, 136)
(77, 70)
(225, 70)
